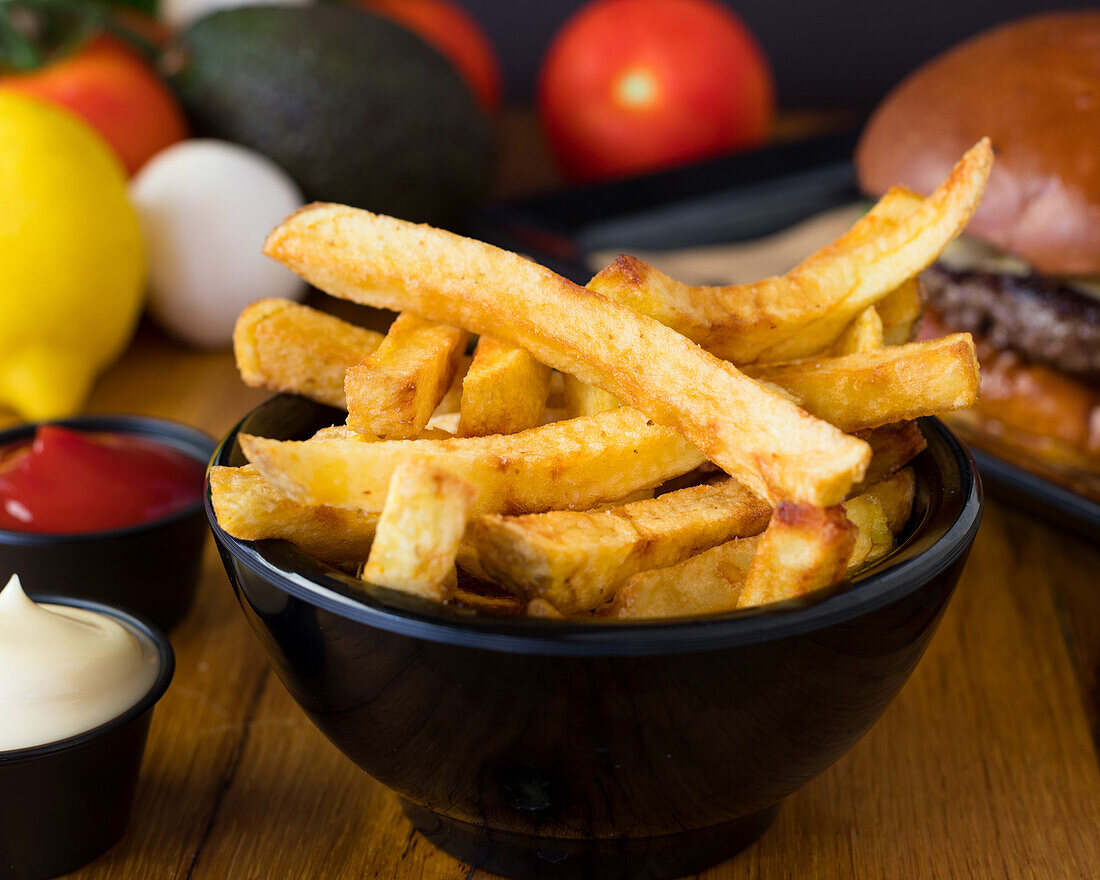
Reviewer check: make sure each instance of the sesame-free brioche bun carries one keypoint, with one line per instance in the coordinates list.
(1032, 86)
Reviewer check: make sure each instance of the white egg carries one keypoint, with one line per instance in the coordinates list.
(178, 14)
(205, 208)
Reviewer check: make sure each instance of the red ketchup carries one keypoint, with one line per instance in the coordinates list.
(66, 482)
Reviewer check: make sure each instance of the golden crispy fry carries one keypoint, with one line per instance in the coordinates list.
(868, 389)
(250, 509)
(542, 608)
(340, 432)
(714, 580)
(504, 391)
(801, 313)
(863, 334)
(804, 548)
(881, 220)
(900, 312)
(874, 539)
(488, 603)
(468, 562)
(895, 494)
(708, 583)
(452, 400)
(393, 392)
(757, 436)
(285, 346)
(640, 495)
(422, 521)
(585, 400)
(442, 424)
(576, 560)
(901, 309)
(343, 432)
(572, 464)
(894, 446)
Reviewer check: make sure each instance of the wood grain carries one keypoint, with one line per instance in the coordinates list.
(984, 767)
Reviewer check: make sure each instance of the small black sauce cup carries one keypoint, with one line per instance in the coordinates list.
(64, 803)
(575, 749)
(151, 568)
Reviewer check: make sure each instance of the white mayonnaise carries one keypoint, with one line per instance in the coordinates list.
(65, 670)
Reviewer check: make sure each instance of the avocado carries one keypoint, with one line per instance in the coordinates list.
(354, 107)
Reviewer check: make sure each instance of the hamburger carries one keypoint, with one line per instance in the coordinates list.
(1025, 278)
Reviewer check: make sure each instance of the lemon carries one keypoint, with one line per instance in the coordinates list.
(71, 264)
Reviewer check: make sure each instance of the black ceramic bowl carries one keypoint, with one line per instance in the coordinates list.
(539, 748)
(151, 568)
(65, 803)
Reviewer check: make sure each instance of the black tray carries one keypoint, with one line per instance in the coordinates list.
(735, 198)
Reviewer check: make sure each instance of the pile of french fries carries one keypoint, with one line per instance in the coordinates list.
(635, 448)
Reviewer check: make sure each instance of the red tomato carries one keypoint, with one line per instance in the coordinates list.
(457, 36)
(114, 90)
(633, 85)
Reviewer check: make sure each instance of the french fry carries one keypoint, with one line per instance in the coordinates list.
(393, 392)
(802, 313)
(895, 495)
(442, 424)
(901, 311)
(640, 495)
(486, 603)
(757, 436)
(894, 447)
(504, 391)
(582, 399)
(863, 334)
(708, 583)
(518, 515)
(874, 538)
(572, 464)
(804, 548)
(419, 530)
(285, 346)
(900, 324)
(715, 580)
(452, 400)
(576, 560)
(468, 562)
(343, 432)
(869, 389)
(249, 508)
(542, 608)
(338, 432)
(880, 220)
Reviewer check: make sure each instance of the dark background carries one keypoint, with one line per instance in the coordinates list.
(825, 54)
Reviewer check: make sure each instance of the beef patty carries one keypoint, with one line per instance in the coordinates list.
(1033, 315)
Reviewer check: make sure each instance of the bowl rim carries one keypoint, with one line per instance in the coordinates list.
(166, 669)
(174, 435)
(423, 619)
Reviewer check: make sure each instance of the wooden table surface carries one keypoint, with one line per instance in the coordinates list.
(984, 767)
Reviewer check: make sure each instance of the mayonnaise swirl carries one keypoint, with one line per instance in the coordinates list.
(65, 670)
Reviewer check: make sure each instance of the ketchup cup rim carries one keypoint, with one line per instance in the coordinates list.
(173, 435)
(166, 667)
